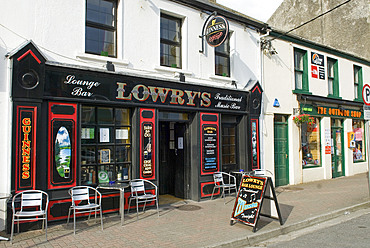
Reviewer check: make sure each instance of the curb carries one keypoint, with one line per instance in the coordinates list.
(263, 236)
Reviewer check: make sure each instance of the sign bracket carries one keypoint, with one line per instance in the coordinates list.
(204, 25)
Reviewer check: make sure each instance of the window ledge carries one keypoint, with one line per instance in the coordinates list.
(334, 97)
(224, 79)
(172, 70)
(102, 59)
(301, 92)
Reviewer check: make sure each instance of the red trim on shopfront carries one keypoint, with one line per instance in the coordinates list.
(29, 52)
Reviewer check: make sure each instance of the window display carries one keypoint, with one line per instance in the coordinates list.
(358, 140)
(311, 145)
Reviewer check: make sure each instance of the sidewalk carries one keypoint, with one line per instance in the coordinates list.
(207, 224)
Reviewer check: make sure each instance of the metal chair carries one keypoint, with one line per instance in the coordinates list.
(30, 205)
(82, 202)
(218, 178)
(138, 193)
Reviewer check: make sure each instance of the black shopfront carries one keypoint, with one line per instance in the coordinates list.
(71, 125)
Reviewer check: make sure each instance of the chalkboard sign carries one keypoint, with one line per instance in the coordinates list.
(147, 164)
(252, 192)
(210, 147)
(248, 202)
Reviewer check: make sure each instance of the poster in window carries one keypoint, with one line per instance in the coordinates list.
(210, 148)
(104, 156)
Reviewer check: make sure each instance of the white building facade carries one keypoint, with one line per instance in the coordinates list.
(105, 72)
(308, 80)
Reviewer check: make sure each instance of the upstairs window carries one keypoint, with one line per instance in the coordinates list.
(170, 41)
(300, 70)
(333, 82)
(358, 83)
(222, 58)
(101, 27)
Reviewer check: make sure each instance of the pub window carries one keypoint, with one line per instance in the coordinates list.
(311, 145)
(229, 147)
(358, 141)
(222, 58)
(170, 50)
(358, 83)
(105, 144)
(101, 27)
(300, 70)
(333, 82)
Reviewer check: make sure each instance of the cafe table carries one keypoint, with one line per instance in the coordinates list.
(121, 187)
(4, 196)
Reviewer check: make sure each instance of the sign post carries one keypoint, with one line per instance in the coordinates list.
(366, 98)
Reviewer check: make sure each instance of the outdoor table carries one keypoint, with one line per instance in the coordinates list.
(4, 196)
(121, 187)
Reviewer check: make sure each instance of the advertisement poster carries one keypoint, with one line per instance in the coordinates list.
(210, 148)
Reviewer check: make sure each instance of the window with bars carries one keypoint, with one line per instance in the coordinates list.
(222, 58)
(358, 83)
(229, 146)
(170, 50)
(101, 27)
(300, 70)
(105, 144)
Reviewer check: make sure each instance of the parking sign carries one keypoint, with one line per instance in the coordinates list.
(366, 94)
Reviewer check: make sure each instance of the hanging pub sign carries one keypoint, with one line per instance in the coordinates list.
(217, 30)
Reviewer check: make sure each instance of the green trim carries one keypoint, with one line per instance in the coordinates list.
(360, 83)
(301, 92)
(334, 97)
(313, 166)
(318, 47)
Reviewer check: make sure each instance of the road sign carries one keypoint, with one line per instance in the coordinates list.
(366, 112)
(366, 94)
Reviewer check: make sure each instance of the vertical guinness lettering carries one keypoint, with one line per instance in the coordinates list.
(26, 148)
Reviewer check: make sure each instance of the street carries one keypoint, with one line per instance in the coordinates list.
(351, 230)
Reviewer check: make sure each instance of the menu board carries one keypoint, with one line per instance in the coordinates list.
(249, 199)
(210, 148)
(147, 164)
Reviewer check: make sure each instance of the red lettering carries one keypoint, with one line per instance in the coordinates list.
(25, 174)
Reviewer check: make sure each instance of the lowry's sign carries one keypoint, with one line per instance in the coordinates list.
(78, 84)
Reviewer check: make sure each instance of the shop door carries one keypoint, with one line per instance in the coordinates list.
(337, 153)
(172, 159)
(281, 153)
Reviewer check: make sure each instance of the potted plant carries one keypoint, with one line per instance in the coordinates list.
(303, 118)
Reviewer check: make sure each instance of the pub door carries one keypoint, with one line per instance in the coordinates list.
(172, 159)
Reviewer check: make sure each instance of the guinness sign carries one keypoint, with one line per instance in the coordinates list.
(217, 29)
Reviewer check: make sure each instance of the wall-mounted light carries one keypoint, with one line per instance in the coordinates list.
(110, 66)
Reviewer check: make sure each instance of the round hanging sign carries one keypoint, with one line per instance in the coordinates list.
(217, 29)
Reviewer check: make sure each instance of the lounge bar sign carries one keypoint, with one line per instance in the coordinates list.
(84, 86)
(217, 29)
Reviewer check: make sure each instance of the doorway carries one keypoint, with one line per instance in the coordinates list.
(337, 151)
(172, 158)
(281, 150)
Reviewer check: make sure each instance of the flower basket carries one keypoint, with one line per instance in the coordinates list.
(303, 118)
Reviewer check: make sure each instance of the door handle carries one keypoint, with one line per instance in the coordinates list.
(286, 155)
(176, 151)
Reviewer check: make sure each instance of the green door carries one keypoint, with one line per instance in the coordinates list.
(337, 153)
(281, 153)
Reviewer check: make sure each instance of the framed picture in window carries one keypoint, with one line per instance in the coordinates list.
(104, 156)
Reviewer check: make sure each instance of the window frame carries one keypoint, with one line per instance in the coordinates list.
(303, 71)
(334, 77)
(95, 145)
(222, 54)
(363, 142)
(227, 167)
(358, 83)
(171, 42)
(104, 27)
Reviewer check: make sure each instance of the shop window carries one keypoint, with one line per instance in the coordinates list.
(228, 147)
(358, 83)
(105, 144)
(358, 141)
(311, 145)
(222, 58)
(170, 50)
(300, 70)
(333, 82)
(101, 27)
